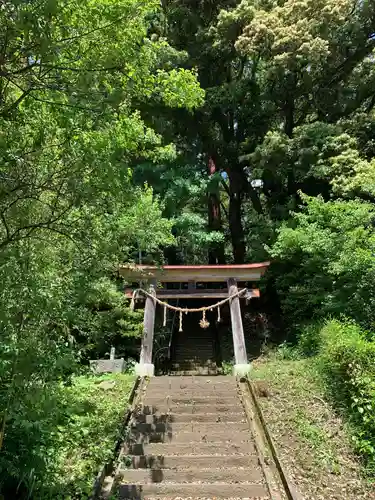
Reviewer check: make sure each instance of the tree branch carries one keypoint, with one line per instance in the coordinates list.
(225, 185)
(15, 104)
(31, 228)
(224, 209)
(5, 224)
(18, 71)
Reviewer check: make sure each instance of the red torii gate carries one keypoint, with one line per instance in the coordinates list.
(231, 274)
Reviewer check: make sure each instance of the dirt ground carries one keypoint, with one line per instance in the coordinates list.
(312, 441)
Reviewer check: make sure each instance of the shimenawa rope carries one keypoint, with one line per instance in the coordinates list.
(203, 322)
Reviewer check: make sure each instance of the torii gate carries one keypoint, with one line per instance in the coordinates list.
(231, 274)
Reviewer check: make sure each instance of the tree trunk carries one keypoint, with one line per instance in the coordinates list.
(235, 212)
(216, 254)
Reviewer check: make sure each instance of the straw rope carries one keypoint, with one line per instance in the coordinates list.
(203, 322)
(184, 309)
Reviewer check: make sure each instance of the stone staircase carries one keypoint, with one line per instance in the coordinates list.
(193, 352)
(190, 439)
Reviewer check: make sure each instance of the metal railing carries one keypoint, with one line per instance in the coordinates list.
(169, 346)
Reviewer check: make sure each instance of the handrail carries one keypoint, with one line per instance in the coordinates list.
(170, 337)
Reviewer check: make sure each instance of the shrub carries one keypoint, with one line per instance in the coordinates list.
(347, 360)
(309, 339)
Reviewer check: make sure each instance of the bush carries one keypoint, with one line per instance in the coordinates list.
(309, 339)
(347, 360)
(56, 445)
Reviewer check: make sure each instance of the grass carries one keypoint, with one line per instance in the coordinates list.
(94, 407)
(312, 441)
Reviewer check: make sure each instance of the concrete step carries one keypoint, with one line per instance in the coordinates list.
(192, 364)
(181, 382)
(189, 417)
(193, 474)
(186, 409)
(198, 448)
(197, 372)
(163, 378)
(193, 343)
(195, 347)
(199, 351)
(176, 408)
(193, 399)
(186, 461)
(201, 368)
(169, 491)
(177, 428)
(230, 436)
(194, 358)
(203, 390)
(197, 359)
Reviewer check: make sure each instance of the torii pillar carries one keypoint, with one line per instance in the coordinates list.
(242, 366)
(145, 367)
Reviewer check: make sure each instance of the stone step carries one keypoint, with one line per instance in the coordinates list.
(176, 400)
(186, 461)
(192, 365)
(177, 428)
(192, 474)
(169, 491)
(198, 372)
(194, 346)
(193, 342)
(218, 436)
(201, 360)
(200, 355)
(190, 417)
(198, 448)
(184, 362)
(203, 390)
(177, 409)
(193, 397)
(194, 358)
(202, 368)
(181, 382)
(196, 351)
(163, 378)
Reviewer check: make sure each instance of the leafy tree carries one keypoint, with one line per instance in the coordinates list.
(74, 78)
(327, 261)
(282, 80)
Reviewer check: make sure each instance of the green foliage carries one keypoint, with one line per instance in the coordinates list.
(328, 261)
(343, 358)
(76, 81)
(290, 102)
(182, 190)
(309, 340)
(87, 425)
(347, 359)
(111, 113)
